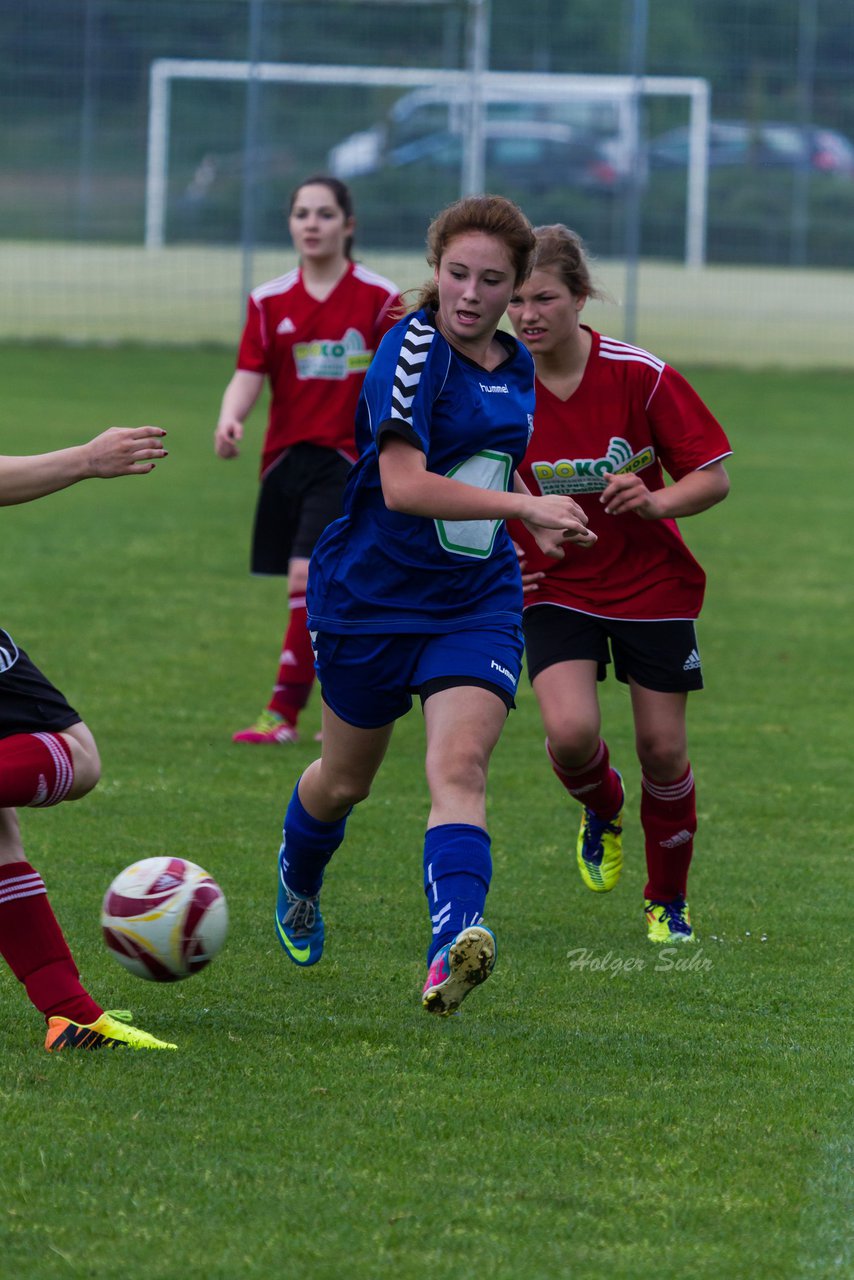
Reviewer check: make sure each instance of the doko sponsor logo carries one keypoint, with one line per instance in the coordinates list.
(590, 475)
(333, 360)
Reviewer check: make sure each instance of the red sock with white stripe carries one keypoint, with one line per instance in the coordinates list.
(595, 785)
(296, 665)
(669, 821)
(35, 770)
(33, 946)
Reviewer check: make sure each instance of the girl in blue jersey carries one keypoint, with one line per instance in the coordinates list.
(417, 588)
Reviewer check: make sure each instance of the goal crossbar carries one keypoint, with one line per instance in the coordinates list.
(163, 71)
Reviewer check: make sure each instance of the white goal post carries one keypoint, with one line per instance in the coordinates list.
(164, 70)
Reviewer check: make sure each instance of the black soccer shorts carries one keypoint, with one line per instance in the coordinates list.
(662, 656)
(300, 495)
(29, 703)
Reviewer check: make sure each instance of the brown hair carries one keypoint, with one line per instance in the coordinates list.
(494, 216)
(340, 193)
(565, 251)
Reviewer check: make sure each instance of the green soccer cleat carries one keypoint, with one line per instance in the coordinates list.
(110, 1031)
(600, 848)
(668, 922)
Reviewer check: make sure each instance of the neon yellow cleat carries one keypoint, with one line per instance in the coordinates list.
(600, 849)
(668, 921)
(111, 1031)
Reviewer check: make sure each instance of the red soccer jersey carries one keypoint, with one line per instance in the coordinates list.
(315, 355)
(630, 412)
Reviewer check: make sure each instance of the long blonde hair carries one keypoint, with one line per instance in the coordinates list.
(494, 216)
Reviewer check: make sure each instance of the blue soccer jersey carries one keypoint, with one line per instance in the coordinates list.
(376, 570)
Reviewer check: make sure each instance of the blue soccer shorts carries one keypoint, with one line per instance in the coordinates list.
(369, 680)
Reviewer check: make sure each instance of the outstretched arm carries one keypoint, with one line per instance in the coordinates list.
(119, 451)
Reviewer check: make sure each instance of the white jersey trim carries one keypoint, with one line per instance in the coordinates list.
(612, 349)
(605, 617)
(712, 461)
(282, 284)
(373, 277)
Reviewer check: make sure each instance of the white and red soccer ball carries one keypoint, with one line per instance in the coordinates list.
(164, 918)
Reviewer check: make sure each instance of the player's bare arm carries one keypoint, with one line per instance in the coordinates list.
(237, 403)
(119, 451)
(409, 487)
(688, 496)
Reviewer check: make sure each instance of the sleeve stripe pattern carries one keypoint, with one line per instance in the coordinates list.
(373, 277)
(410, 366)
(280, 285)
(610, 349)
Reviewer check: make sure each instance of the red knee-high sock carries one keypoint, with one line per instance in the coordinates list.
(296, 665)
(35, 770)
(669, 821)
(595, 785)
(32, 944)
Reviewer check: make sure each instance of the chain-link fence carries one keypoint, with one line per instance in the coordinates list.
(703, 148)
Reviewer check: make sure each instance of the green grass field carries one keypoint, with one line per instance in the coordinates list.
(597, 1111)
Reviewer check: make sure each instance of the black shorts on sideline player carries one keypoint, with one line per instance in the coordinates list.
(29, 703)
(300, 495)
(662, 656)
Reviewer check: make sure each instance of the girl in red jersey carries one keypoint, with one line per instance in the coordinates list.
(610, 419)
(312, 333)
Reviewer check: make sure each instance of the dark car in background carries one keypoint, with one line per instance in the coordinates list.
(530, 142)
(522, 153)
(771, 145)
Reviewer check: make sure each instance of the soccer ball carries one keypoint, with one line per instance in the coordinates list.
(164, 918)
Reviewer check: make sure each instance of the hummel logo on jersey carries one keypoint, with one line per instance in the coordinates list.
(286, 326)
(501, 387)
(692, 662)
(681, 837)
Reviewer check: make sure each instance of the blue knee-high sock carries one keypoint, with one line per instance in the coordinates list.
(457, 872)
(307, 846)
